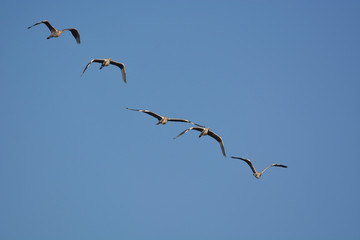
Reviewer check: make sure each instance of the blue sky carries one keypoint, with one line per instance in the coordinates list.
(277, 80)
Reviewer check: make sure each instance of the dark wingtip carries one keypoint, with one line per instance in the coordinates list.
(240, 158)
(198, 125)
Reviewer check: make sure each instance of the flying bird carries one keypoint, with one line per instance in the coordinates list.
(162, 120)
(206, 131)
(258, 174)
(107, 62)
(56, 33)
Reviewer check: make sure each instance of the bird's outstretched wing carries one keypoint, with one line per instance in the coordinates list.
(147, 112)
(183, 120)
(93, 60)
(274, 165)
(219, 139)
(192, 128)
(75, 33)
(179, 120)
(122, 68)
(51, 28)
(248, 162)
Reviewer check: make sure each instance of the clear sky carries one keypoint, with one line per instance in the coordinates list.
(279, 81)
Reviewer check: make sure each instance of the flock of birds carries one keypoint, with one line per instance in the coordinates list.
(54, 33)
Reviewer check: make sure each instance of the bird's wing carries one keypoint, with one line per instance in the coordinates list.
(200, 129)
(198, 125)
(183, 120)
(75, 33)
(279, 165)
(51, 28)
(122, 68)
(219, 139)
(147, 112)
(274, 165)
(179, 120)
(192, 128)
(93, 60)
(248, 162)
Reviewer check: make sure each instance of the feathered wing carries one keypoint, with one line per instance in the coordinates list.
(248, 162)
(198, 125)
(219, 139)
(123, 73)
(192, 128)
(93, 60)
(183, 120)
(51, 28)
(279, 165)
(147, 112)
(122, 68)
(179, 120)
(274, 165)
(75, 33)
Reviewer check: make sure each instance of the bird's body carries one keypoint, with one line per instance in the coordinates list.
(106, 62)
(55, 33)
(162, 120)
(256, 173)
(206, 131)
